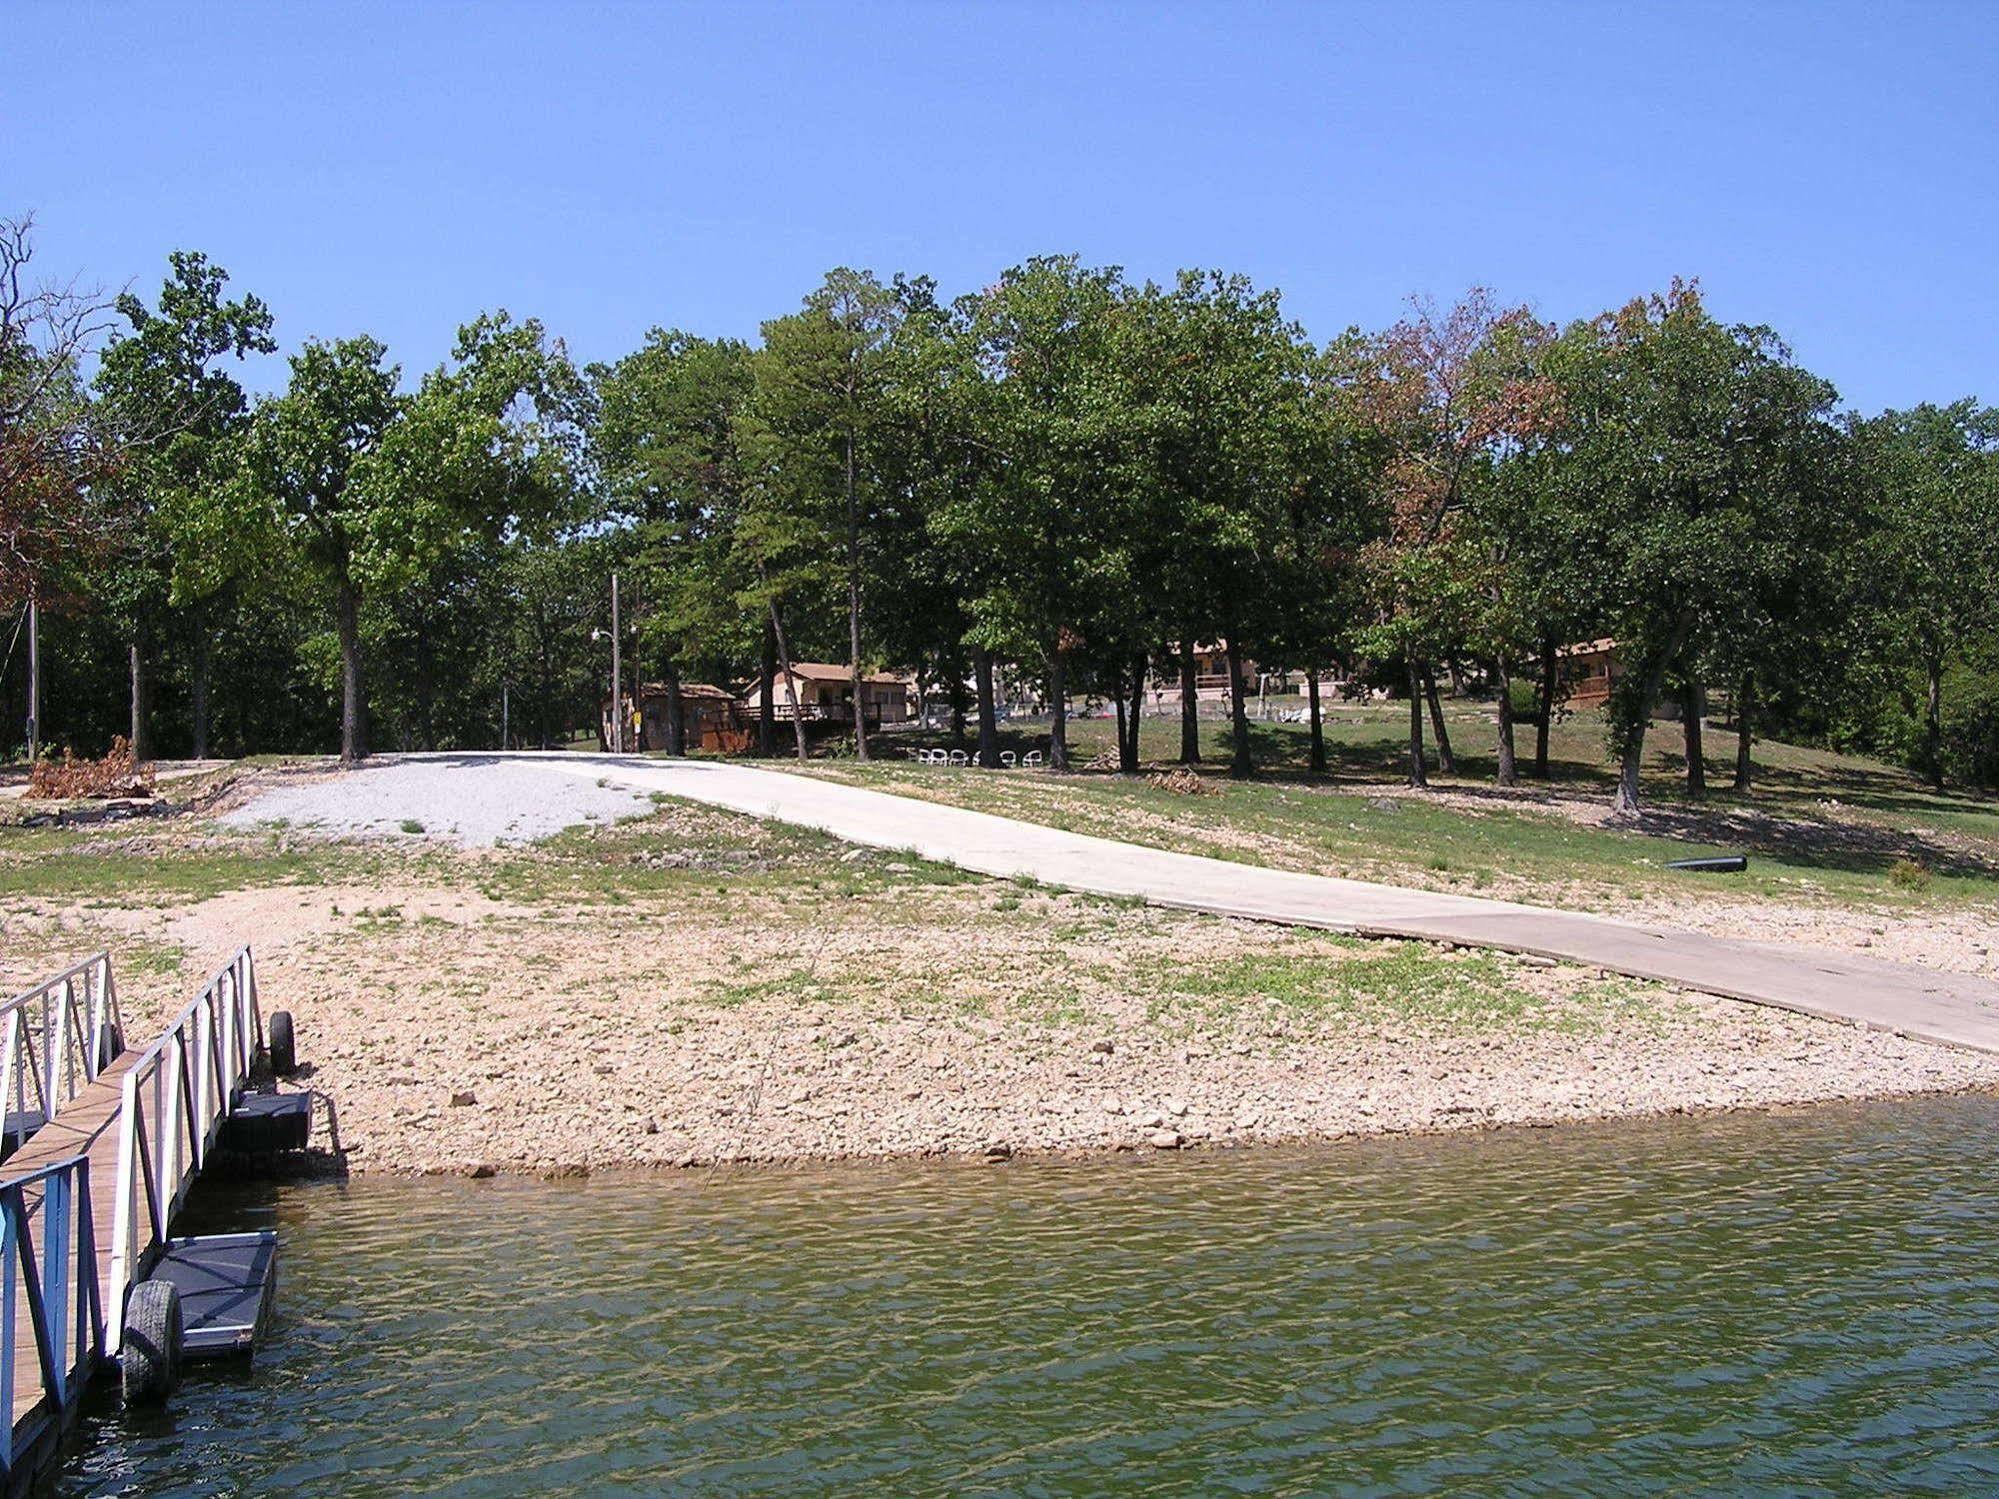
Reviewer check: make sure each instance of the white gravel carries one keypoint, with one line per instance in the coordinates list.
(473, 800)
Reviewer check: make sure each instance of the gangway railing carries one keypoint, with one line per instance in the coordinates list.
(54, 1039)
(48, 1295)
(178, 1091)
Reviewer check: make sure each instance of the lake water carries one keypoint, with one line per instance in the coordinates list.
(1801, 1303)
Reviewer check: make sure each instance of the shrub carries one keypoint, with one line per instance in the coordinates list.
(1907, 874)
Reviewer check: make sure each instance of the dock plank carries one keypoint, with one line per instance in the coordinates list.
(88, 1125)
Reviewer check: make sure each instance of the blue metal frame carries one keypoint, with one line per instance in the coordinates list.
(58, 1271)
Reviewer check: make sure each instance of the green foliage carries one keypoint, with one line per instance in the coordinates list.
(1065, 475)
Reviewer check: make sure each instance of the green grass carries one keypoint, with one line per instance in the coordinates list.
(113, 864)
(1820, 827)
(1401, 987)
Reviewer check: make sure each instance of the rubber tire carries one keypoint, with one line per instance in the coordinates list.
(109, 1044)
(281, 1043)
(149, 1359)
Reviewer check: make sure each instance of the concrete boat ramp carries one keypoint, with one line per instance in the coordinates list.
(1926, 1004)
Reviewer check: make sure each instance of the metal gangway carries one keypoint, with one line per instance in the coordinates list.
(175, 1097)
(54, 1040)
(122, 1151)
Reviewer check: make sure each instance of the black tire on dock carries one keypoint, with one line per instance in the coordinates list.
(149, 1359)
(283, 1048)
(109, 1044)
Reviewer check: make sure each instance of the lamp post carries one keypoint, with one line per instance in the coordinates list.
(617, 673)
(34, 680)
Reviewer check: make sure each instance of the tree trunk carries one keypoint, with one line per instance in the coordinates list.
(1447, 763)
(982, 676)
(767, 694)
(1933, 723)
(954, 669)
(1190, 708)
(1239, 761)
(1632, 757)
(544, 684)
(1140, 670)
(1745, 731)
(142, 705)
(426, 691)
(1419, 774)
(1692, 701)
(1551, 666)
(854, 595)
(676, 719)
(204, 672)
(353, 706)
(1318, 723)
(1509, 773)
(790, 681)
(1058, 694)
(1122, 711)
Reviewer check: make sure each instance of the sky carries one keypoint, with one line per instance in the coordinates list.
(1827, 169)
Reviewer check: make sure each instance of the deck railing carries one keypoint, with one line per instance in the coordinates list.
(177, 1093)
(51, 1039)
(48, 1291)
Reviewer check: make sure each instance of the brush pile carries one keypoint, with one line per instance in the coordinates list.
(116, 776)
(1183, 782)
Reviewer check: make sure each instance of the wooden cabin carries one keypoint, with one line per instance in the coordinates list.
(709, 719)
(1589, 670)
(825, 693)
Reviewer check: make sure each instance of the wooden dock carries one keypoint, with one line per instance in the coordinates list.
(86, 1127)
(86, 1203)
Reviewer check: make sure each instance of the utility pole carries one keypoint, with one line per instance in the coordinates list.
(503, 716)
(617, 676)
(34, 679)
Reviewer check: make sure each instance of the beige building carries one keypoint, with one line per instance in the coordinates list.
(824, 691)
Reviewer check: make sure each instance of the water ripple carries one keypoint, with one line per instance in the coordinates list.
(1796, 1304)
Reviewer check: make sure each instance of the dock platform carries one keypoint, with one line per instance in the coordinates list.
(226, 1283)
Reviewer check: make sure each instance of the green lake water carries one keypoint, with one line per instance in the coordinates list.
(1801, 1303)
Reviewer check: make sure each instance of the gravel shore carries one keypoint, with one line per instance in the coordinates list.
(464, 1034)
(471, 800)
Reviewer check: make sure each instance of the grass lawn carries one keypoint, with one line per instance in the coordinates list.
(1818, 828)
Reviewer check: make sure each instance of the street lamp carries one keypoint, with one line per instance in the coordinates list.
(617, 673)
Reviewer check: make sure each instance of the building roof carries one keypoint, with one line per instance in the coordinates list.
(687, 689)
(827, 671)
(1588, 648)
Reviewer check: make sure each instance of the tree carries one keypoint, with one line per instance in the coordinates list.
(1453, 396)
(665, 446)
(1932, 484)
(1041, 338)
(58, 449)
(815, 403)
(304, 460)
(1686, 441)
(188, 544)
(487, 448)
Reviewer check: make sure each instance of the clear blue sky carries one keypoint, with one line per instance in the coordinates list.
(1830, 169)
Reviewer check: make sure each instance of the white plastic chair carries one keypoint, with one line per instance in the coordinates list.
(1031, 760)
(1006, 759)
(959, 757)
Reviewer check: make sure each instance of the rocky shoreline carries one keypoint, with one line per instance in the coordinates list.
(763, 1087)
(696, 989)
